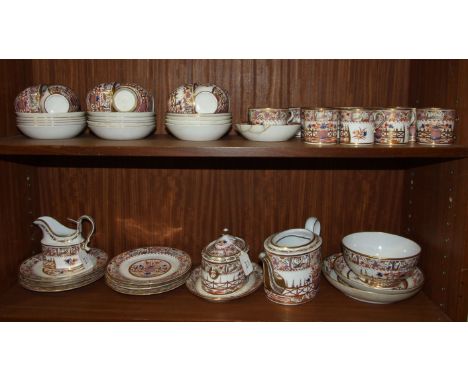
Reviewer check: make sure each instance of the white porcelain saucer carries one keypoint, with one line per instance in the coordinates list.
(205, 102)
(273, 133)
(255, 279)
(358, 294)
(415, 281)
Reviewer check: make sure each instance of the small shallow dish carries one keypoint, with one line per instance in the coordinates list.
(413, 282)
(123, 133)
(358, 294)
(198, 133)
(272, 133)
(379, 258)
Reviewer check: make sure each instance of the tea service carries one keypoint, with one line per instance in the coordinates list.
(66, 261)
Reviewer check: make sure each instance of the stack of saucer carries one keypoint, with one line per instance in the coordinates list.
(375, 267)
(51, 125)
(32, 276)
(150, 270)
(121, 125)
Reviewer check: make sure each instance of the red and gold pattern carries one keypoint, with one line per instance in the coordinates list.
(435, 126)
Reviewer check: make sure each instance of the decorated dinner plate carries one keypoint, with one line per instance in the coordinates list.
(415, 281)
(146, 290)
(194, 285)
(150, 265)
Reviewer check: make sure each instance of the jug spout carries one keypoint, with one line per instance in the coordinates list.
(54, 232)
(273, 282)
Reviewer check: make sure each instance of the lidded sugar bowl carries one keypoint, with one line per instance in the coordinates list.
(225, 264)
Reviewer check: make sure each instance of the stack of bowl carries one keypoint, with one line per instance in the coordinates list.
(198, 112)
(120, 111)
(376, 267)
(49, 112)
(149, 270)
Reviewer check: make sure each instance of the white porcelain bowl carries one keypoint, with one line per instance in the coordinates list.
(379, 258)
(121, 133)
(121, 114)
(121, 124)
(52, 132)
(198, 133)
(273, 133)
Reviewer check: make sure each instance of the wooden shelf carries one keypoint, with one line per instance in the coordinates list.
(97, 302)
(230, 146)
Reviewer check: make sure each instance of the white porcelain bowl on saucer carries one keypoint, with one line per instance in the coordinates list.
(124, 133)
(358, 294)
(380, 258)
(198, 133)
(273, 133)
(344, 273)
(53, 132)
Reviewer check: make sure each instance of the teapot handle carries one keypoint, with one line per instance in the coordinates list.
(88, 238)
(313, 225)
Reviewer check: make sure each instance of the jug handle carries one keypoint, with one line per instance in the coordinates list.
(313, 225)
(88, 238)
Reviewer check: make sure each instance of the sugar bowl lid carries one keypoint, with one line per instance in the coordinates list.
(225, 249)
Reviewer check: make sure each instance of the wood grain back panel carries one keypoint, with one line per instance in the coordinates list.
(188, 207)
(251, 83)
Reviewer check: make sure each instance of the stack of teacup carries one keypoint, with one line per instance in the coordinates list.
(49, 112)
(376, 267)
(120, 111)
(66, 261)
(198, 112)
(149, 270)
(226, 272)
(271, 125)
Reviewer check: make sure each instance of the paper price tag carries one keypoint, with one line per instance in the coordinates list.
(246, 263)
(85, 260)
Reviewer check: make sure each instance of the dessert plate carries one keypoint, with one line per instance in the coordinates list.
(153, 265)
(415, 281)
(144, 290)
(255, 279)
(358, 294)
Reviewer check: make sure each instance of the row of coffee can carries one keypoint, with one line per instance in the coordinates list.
(387, 126)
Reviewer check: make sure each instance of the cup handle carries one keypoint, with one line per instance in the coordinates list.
(377, 123)
(291, 117)
(88, 238)
(313, 225)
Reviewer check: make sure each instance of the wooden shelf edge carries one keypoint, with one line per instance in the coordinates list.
(230, 146)
(97, 302)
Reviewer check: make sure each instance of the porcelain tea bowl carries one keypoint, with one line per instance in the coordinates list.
(198, 99)
(117, 97)
(380, 259)
(47, 99)
(269, 116)
(221, 266)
